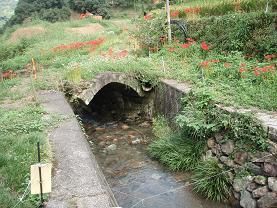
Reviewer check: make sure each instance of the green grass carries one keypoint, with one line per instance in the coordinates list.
(20, 130)
(193, 3)
(161, 128)
(177, 153)
(212, 180)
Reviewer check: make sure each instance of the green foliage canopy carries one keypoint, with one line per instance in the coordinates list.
(99, 7)
(50, 10)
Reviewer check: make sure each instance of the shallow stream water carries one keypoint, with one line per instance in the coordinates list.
(136, 180)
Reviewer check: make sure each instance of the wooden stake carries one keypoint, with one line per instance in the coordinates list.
(168, 21)
(34, 69)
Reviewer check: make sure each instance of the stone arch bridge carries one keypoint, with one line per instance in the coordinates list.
(103, 79)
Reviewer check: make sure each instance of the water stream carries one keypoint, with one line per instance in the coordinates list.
(136, 180)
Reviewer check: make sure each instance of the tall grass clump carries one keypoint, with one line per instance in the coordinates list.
(177, 153)
(212, 180)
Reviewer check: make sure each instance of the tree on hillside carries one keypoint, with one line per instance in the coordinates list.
(97, 7)
(50, 10)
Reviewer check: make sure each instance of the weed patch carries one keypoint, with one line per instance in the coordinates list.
(176, 152)
(20, 130)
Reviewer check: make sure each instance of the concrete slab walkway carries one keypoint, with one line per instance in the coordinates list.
(78, 181)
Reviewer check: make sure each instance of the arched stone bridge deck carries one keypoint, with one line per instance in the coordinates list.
(106, 78)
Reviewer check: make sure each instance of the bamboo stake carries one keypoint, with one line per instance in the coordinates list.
(34, 69)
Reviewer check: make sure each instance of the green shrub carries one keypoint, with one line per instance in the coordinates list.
(177, 153)
(211, 180)
(149, 32)
(201, 118)
(252, 33)
(54, 15)
(8, 51)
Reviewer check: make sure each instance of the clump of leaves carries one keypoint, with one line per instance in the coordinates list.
(201, 118)
(176, 152)
(212, 180)
(150, 31)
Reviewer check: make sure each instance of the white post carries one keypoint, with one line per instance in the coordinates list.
(168, 21)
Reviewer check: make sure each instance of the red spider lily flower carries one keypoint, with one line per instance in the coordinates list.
(147, 17)
(185, 45)
(257, 73)
(204, 46)
(78, 45)
(227, 65)
(110, 52)
(190, 40)
(204, 64)
(241, 70)
(174, 13)
(171, 49)
(270, 56)
(187, 10)
(122, 54)
(196, 10)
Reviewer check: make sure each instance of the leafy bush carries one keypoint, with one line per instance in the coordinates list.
(252, 33)
(150, 31)
(212, 180)
(54, 15)
(8, 51)
(201, 118)
(94, 6)
(176, 152)
(50, 10)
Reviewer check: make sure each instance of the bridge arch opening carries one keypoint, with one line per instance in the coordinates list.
(116, 101)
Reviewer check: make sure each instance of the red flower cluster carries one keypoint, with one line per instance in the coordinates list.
(174, 13)
(148, 17)
(78, 45)
(242, 69)
(261, 70)
(193, 10)
(190, 41)
(9, 74)
(258, 71)
(206, 63)
(270, 56)
(171, 49)
(227, 65)
(115, 55)
(204, 46)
